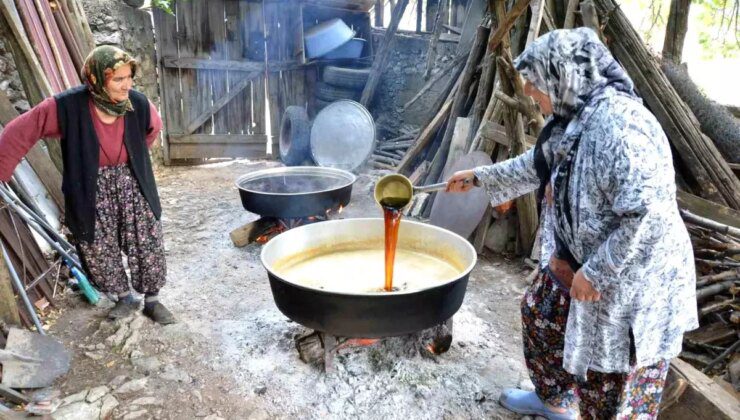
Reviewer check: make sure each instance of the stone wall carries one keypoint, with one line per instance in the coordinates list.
(404, 77)
(117, 23)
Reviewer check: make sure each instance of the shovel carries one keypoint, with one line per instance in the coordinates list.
(31, 360)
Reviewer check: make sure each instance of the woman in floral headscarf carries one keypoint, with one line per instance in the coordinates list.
(617, 285)
(111, 200)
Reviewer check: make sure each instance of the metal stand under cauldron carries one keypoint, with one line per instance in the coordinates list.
(317, 347)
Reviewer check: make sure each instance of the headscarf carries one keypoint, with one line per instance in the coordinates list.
(98, 69)
(572, 66)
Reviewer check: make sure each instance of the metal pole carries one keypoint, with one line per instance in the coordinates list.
(41, 231)
(21, 290)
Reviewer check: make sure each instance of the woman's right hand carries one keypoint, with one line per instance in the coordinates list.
(461, 181)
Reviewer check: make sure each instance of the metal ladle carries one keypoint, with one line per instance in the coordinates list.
(401, 190)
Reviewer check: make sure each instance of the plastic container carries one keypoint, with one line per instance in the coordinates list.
(326, 36)
(351, 49)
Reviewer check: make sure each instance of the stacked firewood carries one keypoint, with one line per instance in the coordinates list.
(717, 255)
(389, 152)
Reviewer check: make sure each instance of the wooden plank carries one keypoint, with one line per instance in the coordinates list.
(491, 131)
(459, 138)
(206, 115)
(703, 398)
(203, 151)
(253, 14)
(381, 58)
(506, 23)
(708, 209)
(8, 305)
(165, 26)
(425, 137)
(276, 99)
(230, 65)
(432, 50)
(217, 24)
(188, 36)
(219, 138)
(238, 119)
(538, 9)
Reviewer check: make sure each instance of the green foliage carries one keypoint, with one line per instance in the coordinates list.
(165, 5)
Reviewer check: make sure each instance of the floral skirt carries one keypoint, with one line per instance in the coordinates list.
(633, 395)
(124, 224)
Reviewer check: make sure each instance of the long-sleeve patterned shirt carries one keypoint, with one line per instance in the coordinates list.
(627, 232)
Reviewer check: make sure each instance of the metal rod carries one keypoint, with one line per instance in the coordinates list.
(72, 259)
(21, 290)
(436, 187)
(15, 203)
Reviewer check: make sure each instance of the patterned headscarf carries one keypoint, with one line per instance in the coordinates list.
(572, 66)
(98, 69)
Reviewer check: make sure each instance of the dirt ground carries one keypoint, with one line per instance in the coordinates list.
(232, 353)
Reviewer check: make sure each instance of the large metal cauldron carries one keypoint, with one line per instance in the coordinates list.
(297, 191)
(371, 314)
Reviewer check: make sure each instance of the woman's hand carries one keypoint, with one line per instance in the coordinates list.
(461, 181)
(582, 289)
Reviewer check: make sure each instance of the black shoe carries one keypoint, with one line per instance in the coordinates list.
(123, 309)
(159, 313)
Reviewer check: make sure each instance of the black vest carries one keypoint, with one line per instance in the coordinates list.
(81, 154)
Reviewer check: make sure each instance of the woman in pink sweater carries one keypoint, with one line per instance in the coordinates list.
(111, 201)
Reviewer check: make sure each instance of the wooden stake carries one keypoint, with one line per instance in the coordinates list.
(8, 305)
(438, 26)
(570, 14)
(381, 58)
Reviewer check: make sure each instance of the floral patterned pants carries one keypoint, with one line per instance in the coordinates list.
(124, 223)
(633, 395)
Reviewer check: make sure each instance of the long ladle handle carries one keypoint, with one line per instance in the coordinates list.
(436, 187)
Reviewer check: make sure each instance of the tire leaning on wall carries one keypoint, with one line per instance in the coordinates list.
(346, 77)
(295, 136)
(330, 93)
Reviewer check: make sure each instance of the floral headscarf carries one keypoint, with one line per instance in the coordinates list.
(98, 69)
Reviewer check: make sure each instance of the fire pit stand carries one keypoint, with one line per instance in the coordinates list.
(316, 347)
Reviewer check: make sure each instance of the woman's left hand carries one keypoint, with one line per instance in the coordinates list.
(582, 289)
(461, 181)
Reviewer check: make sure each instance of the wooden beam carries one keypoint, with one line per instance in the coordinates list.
(432, 50)
(381, 58)
(506, 23)
(235, 90)
(426, 136)
(570, 14)
(538, 11)
(8, 305)
(492, 131)
(702, 399)
(708, 209)
(205, 151)
(230, 65)
(218, 139)
(440, 162)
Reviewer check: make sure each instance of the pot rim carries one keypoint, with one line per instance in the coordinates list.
(465, 273)
(349, 177)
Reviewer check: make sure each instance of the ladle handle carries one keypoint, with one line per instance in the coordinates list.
(436, 187)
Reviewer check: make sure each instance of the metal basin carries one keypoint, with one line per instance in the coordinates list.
(297, 191)
(368, 314)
